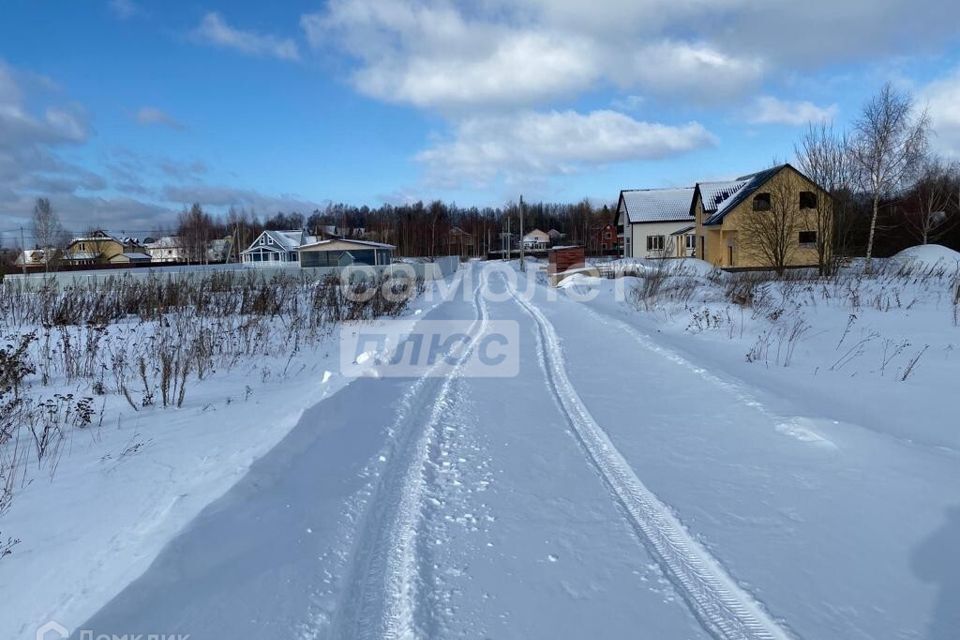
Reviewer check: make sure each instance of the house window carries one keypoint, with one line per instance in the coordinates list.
(808, 200)
(761, 202)
(606, 235)
(269, 240)
(691, 242)
(654, 243)
(808, 237)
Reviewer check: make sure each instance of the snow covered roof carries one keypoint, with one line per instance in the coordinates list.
(288, 240)
(100, 235)
(687, 229)
(136, 256)
(725, 196)
(657, 205)
(165, 242)
(31, 256)
(714, 193)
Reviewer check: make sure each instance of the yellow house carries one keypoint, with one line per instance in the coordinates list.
(99, 247)
(773, 219)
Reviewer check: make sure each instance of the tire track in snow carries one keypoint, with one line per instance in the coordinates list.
(793, 427)
(724, 609)
(381, 595)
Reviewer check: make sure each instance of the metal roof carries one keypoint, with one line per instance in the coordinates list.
(657, 205)
(747, 185)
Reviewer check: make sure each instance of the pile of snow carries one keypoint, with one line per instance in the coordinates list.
(578, 277)
(641, 267)
(695, 267)
(929, 256)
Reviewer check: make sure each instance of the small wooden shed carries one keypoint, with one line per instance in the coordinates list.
(565, 257)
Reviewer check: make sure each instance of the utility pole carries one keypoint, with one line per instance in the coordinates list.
(522, 243)
(23, 253)
(509, 239)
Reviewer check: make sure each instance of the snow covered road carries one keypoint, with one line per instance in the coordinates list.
(611, 489)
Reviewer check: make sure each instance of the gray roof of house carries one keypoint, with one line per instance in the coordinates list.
(657, 205)
(282, 241)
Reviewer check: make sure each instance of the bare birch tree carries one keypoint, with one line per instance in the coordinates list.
(196, 230)
(932, 207)
(48, 232)
(887, 148)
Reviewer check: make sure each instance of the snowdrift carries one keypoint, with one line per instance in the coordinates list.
(929, 256)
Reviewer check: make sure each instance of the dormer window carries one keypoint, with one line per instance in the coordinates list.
(761, 202)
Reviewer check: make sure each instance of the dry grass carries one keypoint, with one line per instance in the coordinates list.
(147, 341)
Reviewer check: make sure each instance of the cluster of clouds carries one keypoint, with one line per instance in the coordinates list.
(495, 70)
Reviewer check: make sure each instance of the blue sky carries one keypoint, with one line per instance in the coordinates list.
(123, 111)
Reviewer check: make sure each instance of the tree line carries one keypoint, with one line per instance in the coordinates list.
(416, 229)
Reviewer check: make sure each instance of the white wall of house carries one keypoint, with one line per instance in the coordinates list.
(661, 245)
(536, 239)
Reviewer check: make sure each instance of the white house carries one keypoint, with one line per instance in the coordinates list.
(536, 240)
(657, 223)
(276, 248)
(166, 249)
(35, 257)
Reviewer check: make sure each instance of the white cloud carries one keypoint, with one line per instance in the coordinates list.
(153, 116)
(695, 70)
(520, 69)
(628, 103)
(815, 33)
(447, 56)
(214, 30)
(771, 110)
(941, 98)
(124, 9)
(29, 141)
(531, 145)
(431, 55)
